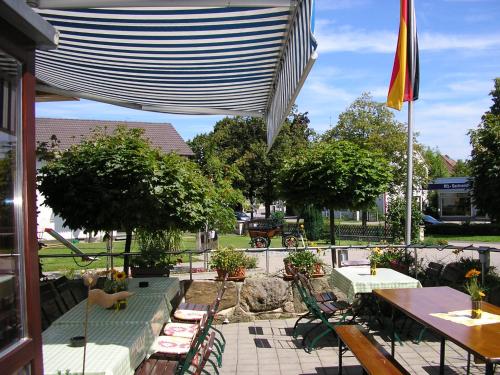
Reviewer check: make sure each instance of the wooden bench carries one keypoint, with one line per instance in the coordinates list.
(372, 357)
(153, 366)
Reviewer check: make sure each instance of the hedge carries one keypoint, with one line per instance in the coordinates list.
(464, 229)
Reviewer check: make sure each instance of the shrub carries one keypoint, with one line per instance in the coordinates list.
(396, 219)
(313, 222)
(229, 260)
(464, 229)
(303, 261)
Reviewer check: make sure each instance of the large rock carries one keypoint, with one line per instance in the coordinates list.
(263, 294)
(204, 292)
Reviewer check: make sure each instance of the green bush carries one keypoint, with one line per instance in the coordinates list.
(229, 260)
(302, 260)
(464, 229)
(396, 219)
(313, 222)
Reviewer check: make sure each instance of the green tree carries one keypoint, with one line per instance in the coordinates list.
(396, 218)
(435, 163)
(119, 181)
(461, 169)
(236, 150)
(374, 127)
(336, 175)
(485, 159)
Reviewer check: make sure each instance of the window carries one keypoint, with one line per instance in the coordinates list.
(455, 204)
(12, 307)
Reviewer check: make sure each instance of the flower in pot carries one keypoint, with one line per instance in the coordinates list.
(158, 249)
(303, 261)
(476, 292)
(227, 260)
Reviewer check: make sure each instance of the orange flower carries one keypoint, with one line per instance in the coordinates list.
(472, 273)
(120, 276)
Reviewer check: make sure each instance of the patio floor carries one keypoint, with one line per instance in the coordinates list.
(266, 347)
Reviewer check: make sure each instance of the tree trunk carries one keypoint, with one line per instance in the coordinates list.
(364, 220)
(332, 226)
(268, 209)
(128, 245)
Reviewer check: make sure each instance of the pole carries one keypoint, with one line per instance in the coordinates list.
(409, 181)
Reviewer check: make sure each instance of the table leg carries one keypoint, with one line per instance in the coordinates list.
(441, 356)
(393, 332)
(489, 368)
(340, 356)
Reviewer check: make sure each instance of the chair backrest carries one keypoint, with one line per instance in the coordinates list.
(204, 354)
(62, 286)
(433, 273)
(51, 304)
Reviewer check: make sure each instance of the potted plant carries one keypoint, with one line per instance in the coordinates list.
(158, 250)
(227, 260)
(305, 262)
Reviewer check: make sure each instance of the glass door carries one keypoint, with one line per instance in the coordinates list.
(12, 288)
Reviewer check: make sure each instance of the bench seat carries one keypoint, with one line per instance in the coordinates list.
(372, 357)
(153, 366)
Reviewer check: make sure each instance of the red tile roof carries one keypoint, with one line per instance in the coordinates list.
(449, 163)
(71, 131)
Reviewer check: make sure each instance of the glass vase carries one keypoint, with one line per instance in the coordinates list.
(373, 268)
(476, 311)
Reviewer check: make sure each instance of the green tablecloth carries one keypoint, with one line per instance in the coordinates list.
(354, 280)
(112, 349)
(118, 340)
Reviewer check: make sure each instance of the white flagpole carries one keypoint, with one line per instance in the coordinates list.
(409, 180)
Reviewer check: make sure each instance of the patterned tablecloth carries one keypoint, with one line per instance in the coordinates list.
(354, 280)
(118, 341)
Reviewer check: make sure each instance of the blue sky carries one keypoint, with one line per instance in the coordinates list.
(459, 57)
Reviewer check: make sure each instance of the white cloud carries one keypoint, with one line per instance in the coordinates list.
(339, 4)
(348, 39)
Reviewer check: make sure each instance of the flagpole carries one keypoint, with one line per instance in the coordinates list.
(409, 180)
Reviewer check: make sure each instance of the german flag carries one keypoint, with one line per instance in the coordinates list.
(405, 72)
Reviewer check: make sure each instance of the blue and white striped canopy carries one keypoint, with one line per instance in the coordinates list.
(191, 60)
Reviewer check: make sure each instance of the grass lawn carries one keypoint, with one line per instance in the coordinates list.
(450, 237)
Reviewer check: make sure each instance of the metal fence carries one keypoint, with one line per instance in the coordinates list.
(483, 252)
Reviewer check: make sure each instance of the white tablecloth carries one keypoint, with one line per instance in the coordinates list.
(354, 280)
(118, 341)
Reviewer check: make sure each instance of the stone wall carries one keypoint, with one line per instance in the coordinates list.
(258, 297)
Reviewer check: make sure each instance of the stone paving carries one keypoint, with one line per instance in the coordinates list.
(266, 347)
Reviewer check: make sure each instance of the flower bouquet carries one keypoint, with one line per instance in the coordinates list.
(117, 282)
(476, 292)
(375, 257)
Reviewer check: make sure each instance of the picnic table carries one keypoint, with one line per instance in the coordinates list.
(357, 280)
(118, 341)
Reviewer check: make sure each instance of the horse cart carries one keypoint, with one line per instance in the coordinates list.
(261, 232)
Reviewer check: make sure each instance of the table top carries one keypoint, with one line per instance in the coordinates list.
(482, 340)
(354, 280)
(111, 349)
(118, 341)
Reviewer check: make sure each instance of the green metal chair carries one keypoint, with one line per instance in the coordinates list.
(322, 311)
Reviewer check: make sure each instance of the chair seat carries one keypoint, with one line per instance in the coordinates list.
(172, 345)
(189, 315)
(187, 330)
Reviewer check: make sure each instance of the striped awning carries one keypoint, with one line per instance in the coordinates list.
(236, 60)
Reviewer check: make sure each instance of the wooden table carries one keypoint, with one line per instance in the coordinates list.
(482, 340)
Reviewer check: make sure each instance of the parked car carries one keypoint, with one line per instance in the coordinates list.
(430, 220)
(241, 216)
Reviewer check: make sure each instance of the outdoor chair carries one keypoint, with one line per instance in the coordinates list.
(321, 311)
(184, 306)
(432, 274)
(51, 304)
(62, 286)
(188, 317)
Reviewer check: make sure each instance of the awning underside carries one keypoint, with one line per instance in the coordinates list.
(232, 60)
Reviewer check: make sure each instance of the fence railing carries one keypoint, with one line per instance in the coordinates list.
(336, 253)
(363, 232)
